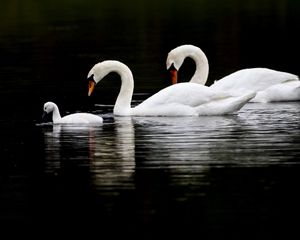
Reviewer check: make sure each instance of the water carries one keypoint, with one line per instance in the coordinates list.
(226, 177)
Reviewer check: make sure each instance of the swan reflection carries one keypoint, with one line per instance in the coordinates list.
(109, 158)
(66, 144)
(114, 162)
(184, 148)
(258, 135)
(182, 143)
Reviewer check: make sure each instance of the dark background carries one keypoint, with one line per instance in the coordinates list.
(48, 47)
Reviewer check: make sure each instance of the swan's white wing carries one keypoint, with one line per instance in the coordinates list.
(288, 91)
(253, 79)
(169, 109)
(224, 106)
(190, 99)
(82, 118)
(190, 94)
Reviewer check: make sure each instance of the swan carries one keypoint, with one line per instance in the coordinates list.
(75, 118)
(182, 99)
(270, 85)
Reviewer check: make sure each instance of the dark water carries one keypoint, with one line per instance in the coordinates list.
(231, 177)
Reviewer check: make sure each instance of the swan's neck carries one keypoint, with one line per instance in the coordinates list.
(123, 102)
(201, 73)
(55, 114)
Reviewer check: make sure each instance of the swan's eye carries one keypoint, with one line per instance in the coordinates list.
(91, 78)
(172, 67)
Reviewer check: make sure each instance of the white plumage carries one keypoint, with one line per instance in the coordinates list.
(75, 118)
(270, 85)
(184, 99)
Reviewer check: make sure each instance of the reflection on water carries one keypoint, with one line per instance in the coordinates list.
(147, 176)
(63, 142)
(109, 155)
(260, 135)
(257, 135)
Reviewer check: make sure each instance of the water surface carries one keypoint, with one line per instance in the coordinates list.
(226, 176)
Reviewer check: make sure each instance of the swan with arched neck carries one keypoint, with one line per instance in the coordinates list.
(270, 85)
(183, 99)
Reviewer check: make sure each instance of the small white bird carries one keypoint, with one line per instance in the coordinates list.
(75, 118)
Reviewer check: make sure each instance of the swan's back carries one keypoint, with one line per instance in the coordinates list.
(254, 79)
(190, 94)
(191, 99)
(81, 118)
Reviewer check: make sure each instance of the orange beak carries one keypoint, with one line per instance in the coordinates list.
(91, 87)
(173, 73)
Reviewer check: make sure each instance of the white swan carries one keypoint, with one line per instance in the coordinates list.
(75, 118)
(270, 85)
(183, 99)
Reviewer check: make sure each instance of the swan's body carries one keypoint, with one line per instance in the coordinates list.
(270, 85)
(75, 118)
(183, 99)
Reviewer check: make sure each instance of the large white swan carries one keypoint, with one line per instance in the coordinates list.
(75, 118)
(183, 99)
(270, 85)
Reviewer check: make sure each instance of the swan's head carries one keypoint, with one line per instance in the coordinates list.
(94, 76)
(177, 56)
(175, 60)
(49, 107)
(100, 70)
